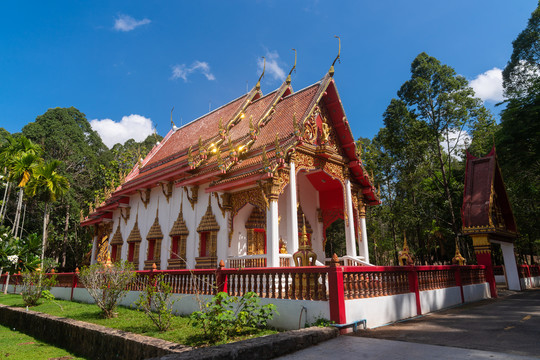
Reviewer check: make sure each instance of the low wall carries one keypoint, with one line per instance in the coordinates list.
(88, 340)
(500, 279)
(291, 312)
(381, 310)
(433, 300)
(476, 292)
(530, 282)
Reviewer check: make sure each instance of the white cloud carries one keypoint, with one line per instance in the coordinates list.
(134, 126)
(489, 85)
(127, 23)
(456, 142)
(181, 71)
(272, 66)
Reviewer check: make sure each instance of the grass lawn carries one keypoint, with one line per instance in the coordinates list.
(18, 346)
(181, 332)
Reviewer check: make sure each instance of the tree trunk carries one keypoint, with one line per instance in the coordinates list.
(7, 283)
(15, 228)
(44, 242)
(3, 209)
(446, 186)
(64, 244)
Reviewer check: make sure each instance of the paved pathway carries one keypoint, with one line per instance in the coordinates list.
(503, 328)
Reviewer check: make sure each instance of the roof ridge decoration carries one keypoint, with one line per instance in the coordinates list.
(331, 70)
(208, 221)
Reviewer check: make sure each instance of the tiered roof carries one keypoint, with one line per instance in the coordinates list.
(242, 142)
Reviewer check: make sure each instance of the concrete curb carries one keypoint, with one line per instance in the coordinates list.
(85, 339)
(261, 348)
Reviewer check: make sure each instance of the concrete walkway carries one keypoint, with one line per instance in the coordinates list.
(504, 328)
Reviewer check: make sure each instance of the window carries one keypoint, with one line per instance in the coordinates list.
(154, 250)
(178, 247)
(133, 253)
(207, 243)
(116, 252)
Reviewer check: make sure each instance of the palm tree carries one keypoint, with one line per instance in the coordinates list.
(18, 156)
(48, 185)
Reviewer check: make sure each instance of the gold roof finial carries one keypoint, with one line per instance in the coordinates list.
(258, 86)
(293, 68)
(331, 71)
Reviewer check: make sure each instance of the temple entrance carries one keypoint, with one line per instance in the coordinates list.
(335, 239)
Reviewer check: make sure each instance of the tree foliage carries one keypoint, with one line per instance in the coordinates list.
(417, 158)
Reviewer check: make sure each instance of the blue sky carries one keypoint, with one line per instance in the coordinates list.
(125, 64)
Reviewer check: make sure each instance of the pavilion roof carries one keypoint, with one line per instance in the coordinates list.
(486, 207)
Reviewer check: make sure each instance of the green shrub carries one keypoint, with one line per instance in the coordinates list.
(33, 285)
(226, 315)
(156, 302)
(107, 285)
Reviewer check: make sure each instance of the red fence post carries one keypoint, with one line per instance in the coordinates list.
(336, 292)
(221, 278)
(413, 287)
(74, 282)
(457, 275)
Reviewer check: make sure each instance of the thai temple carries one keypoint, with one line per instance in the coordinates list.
(240, 183)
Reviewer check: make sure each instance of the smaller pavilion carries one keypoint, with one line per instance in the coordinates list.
(487, 216)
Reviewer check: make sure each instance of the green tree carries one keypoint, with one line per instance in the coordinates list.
(19, 156)
(66, 135)
(47, 184)
(518, 138)
(521, 74)
(445, 103)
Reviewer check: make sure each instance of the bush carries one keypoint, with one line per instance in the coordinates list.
(156, 302)
(33, 286)
(107, 285)
(226, 315)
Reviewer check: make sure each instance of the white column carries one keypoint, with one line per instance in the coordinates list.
(292, 231)
(512, 275)
(272, 235)
(349, 223)
(364, 250)
(223, 234)
(93, 257)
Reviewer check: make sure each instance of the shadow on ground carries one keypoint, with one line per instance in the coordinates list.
(509, 324)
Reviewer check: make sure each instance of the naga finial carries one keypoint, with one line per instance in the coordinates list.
(331, 71)
(293, 68)
(258, 86)
(172, 122)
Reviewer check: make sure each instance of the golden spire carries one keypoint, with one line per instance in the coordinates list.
(331, 71)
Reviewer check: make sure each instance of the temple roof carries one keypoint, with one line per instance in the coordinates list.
(244, 141)
(486, 208)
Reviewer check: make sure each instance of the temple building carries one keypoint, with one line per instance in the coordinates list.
(238, 183)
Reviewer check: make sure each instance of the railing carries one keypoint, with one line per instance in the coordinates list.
(255, 261)
(527, 271)
(498, 270)
(365, 282)
(295, 283)
(300, 283)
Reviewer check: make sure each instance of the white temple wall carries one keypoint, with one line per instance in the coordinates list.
(239, 238)
(309, 201)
